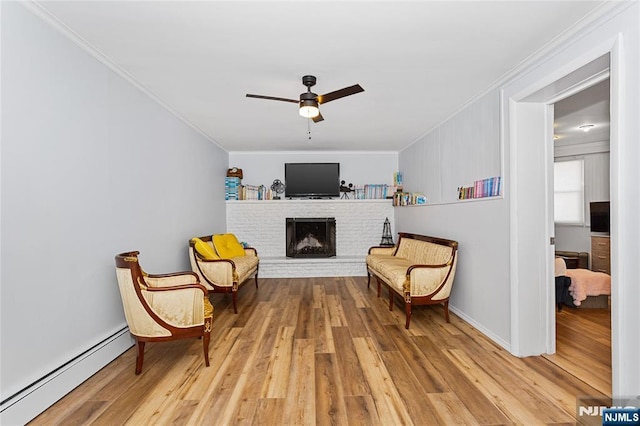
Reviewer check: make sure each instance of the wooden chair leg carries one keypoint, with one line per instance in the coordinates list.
(139, 357)
(233, 297)
(390, 299)
(205, 341)
(256, 278)
(407, 308)
(368, 278)
(446, 310)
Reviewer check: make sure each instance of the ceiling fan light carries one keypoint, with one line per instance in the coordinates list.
(309, 108)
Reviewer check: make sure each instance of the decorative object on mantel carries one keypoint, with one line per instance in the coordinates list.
(345, 190)
(234, 172)
(387, 238)
(278, 188)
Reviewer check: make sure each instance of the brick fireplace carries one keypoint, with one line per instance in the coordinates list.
(262, 224)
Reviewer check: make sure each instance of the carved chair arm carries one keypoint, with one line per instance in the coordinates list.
(425, 279)
(441, 265)
(180, 287)
(171, 279)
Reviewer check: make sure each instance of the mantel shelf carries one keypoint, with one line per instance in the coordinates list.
(295, 200)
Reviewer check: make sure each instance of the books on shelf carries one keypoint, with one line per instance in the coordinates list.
(397, 180)
(409, 199)
(231, 188)
(255, 192)
(234, 190)
(489, 187)
(371, 192)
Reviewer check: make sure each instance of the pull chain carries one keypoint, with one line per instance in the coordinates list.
(309, 128)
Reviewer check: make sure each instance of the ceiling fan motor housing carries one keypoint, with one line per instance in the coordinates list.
(308, 96)
(309, 80)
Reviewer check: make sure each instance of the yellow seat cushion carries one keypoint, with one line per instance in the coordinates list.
(204, 249)
(227, 246)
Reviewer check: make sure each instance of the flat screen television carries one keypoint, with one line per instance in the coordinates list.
(599, 214)
(312, 180)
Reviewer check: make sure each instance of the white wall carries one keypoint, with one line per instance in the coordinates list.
(91, 167)
(261, 168)
(462, 150)
(482, 275)
(465, 148)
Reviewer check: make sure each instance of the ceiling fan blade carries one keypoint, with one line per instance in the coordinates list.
(332, 96)
(272, 98)
(318, 118)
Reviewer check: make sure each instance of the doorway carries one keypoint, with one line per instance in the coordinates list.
(528, 109)
(581, 176)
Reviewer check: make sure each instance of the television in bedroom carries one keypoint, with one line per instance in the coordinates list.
(599, 215)
(312, 180)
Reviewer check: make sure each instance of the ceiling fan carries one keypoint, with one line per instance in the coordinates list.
(309, 101)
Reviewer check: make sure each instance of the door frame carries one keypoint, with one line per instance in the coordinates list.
(528, 128)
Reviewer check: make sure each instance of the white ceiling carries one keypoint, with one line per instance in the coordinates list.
(590, 106)
(419, 61)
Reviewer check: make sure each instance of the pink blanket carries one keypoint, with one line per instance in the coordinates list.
(587, 283)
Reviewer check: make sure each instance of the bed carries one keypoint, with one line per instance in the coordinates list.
(585, 288)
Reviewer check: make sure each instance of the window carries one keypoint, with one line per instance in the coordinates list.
(568, 190)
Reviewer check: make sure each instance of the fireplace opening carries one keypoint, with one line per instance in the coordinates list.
(311, 237)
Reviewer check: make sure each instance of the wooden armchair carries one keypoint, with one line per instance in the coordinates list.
(162, 307)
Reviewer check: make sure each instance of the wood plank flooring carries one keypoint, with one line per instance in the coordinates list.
(583, 345)
(328, 351)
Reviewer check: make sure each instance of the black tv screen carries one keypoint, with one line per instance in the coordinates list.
(312, 180)
(599, 214)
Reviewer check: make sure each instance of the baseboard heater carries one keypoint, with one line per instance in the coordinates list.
(30, 401)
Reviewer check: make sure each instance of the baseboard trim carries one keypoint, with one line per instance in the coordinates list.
(499, 341)
(40, 395)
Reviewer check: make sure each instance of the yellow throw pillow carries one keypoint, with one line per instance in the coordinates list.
(204, 249)
(227, 246)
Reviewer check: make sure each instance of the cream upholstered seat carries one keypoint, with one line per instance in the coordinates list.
(162, 307)
(421, 269)
(221, 275)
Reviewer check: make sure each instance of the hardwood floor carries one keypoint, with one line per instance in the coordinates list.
(583, 345)
(326, 351)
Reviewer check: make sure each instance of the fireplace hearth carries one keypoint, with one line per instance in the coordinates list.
(311, 237)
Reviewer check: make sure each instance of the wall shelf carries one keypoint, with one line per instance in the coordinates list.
(296, 201)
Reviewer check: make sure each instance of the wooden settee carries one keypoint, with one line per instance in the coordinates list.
(419, 268)
(224, 275)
